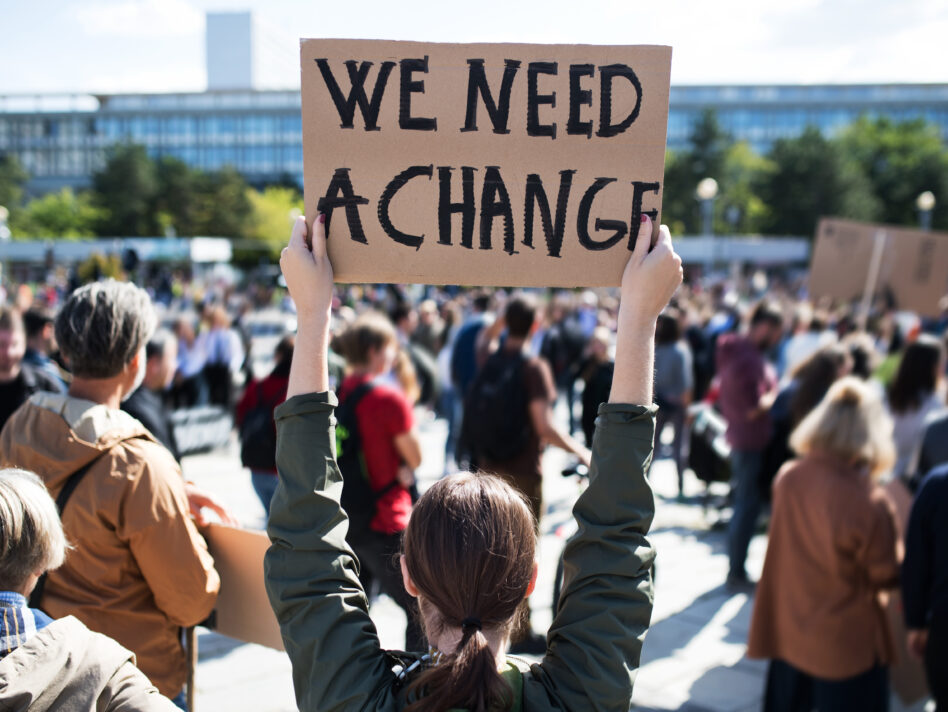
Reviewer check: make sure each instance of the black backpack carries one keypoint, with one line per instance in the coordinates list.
(359, 500)
(496, 424)
(258, 436)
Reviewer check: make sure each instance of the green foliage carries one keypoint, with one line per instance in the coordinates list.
(12, 178)
(97, 266)
(741, 209)
(126, 189)
(273, 212)
(142, 197)
(705, 157)
(221, 205)
(63, 214)
(900, 160)
(809, 177)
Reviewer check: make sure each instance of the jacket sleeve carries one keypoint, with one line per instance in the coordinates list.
(312, 574)
(170, 552)
(882, 548)
(128, 690)
(595, 642)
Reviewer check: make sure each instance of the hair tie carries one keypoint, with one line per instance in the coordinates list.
(471, 622)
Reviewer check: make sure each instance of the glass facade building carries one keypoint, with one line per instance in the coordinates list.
(62, 140)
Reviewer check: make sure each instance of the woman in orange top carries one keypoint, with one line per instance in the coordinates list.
(832, 549)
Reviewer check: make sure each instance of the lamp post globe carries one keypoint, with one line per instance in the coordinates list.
(925, 202)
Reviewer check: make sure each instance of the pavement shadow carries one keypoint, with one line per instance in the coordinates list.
(213, 645)
(675, 632)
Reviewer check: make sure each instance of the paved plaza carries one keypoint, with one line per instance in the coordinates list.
(693, 657)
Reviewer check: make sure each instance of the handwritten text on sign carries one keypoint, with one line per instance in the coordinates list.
(483, 164)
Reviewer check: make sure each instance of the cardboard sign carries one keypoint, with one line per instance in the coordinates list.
(243, 609)
(483, 164)
(913, 269)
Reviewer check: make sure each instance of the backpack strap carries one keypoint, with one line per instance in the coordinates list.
(350, 404)
(64, 494)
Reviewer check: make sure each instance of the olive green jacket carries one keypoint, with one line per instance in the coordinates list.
(594, 644)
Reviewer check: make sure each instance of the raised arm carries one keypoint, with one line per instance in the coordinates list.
(595, 642)
(308, 275)
(311, 573)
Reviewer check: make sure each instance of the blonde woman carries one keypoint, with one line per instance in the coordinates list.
(832, 549)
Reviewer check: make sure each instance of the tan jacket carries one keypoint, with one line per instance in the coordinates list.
(139, 570)
(832, 550)
(68, 668)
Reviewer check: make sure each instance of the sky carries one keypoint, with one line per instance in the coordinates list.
(111, 46)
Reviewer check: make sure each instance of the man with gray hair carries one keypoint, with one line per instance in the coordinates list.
(140, 570)
(48, 665)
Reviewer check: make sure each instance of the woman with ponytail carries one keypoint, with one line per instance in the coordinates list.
(469, 550)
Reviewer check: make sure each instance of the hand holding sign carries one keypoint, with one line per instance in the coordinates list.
(307, 270)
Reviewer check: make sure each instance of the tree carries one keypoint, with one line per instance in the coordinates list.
(222, 208)
(741, 209)
(273, 213)
(810, 177)
(12, 180)
(176, 199)
(63, 214)
(705, 157)
(901, 160)
(126, 190)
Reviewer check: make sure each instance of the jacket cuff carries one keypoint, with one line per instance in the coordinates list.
(323, 402)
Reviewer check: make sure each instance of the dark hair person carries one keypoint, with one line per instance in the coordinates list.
(469, 551)
(912, 396)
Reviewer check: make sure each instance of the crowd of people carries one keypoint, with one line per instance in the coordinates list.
(833, 418)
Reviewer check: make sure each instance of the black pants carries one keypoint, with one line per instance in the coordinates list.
(790, 690)
(936, 661)
(378, 560)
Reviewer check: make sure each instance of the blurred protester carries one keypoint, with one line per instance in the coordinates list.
(449, 404)
(464, 356)
(809, 382)
(562, 347)
(190, 387)
(508, 418)
(429, 332)
(147, 404)
(225, 356)
(18, 380)
(925, 582)
(914, 394)
(862, 351)
(832, 549)
(254, 419)
(934, 449)
(809, 334)
(674, 386)
(140, 570)
(51, 665)
(41, 342)
(597, 377)
(747, 387)
(390, 452)
(423, 363)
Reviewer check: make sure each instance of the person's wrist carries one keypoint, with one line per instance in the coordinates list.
(637, 321)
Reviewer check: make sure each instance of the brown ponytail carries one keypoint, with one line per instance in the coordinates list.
(469, 549)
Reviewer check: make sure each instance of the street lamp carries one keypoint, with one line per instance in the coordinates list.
(925, 203)
(706, 192)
